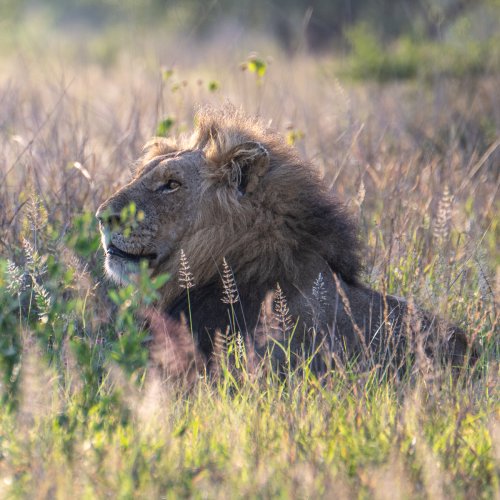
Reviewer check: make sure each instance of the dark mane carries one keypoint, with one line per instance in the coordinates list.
(290, 219)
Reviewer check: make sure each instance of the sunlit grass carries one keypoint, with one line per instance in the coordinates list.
(83, 413)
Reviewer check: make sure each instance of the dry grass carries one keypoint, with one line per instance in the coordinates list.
(418, 164)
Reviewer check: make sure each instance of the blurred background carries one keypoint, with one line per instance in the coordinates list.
(380, 39)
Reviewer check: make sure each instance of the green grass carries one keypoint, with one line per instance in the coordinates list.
(463, 55)
(354, 435)
(84, 414)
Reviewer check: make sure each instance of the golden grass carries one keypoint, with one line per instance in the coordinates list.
(418, 163)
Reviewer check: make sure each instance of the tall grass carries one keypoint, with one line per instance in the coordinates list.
(85, 413)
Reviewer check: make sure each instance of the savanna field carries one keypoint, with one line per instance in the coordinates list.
(83, 412)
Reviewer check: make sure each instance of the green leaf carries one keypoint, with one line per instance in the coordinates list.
(257, 66)
(164, 126)
(213, 86)
(167, 73)
(160, 280)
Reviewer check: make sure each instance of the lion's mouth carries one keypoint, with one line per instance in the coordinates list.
(115, 251)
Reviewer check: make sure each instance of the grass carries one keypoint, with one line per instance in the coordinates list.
(83, 413)
(352, 437)
(406, 58)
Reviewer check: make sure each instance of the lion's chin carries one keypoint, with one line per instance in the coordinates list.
(123, 267)
(121, 271)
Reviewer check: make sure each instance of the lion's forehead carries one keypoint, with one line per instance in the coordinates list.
(186, 159)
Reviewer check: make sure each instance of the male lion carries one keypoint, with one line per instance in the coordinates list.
(234, 190)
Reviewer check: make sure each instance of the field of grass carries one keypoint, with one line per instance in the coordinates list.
(82, 413)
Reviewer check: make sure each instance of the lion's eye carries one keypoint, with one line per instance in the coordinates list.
(169, 186)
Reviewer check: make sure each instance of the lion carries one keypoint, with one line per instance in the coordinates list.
(233, 195)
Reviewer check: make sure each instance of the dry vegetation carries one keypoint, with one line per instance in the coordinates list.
(82, 415)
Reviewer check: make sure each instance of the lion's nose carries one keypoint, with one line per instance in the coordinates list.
(107, 218)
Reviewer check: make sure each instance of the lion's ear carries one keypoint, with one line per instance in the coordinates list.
(247, 163)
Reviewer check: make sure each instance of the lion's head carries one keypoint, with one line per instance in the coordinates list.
(150, 216)
(231, 189)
